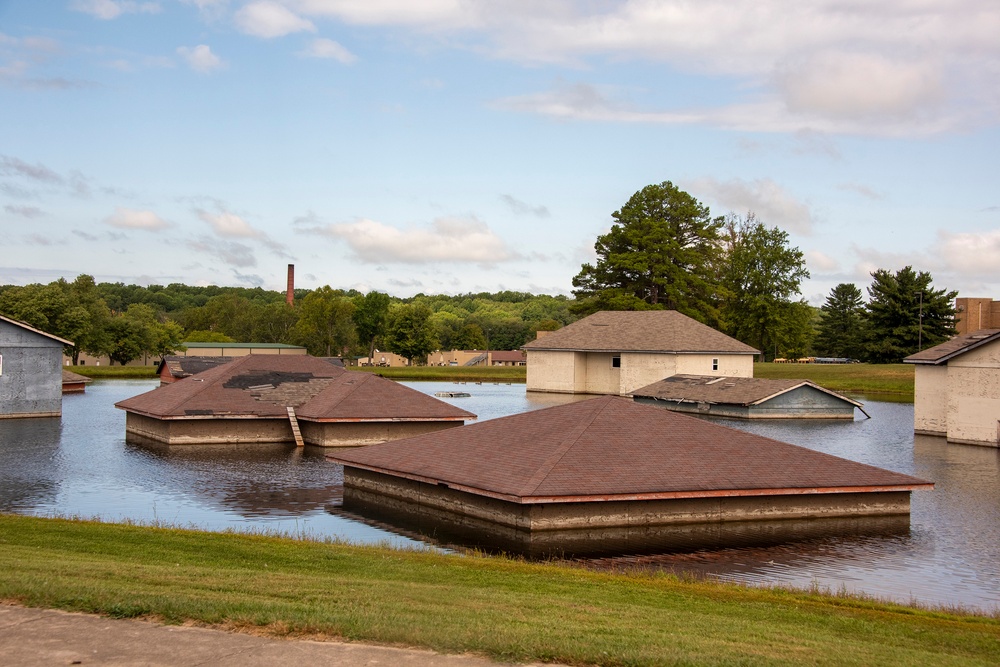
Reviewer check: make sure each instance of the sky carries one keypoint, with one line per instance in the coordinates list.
(455, 146)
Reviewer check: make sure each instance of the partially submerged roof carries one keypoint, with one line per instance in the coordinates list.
(729, 390)
(263, 386)
(611, 448)
(69, 377)
(640, 331)
(940, 354)
(182, 367)
(28, 327)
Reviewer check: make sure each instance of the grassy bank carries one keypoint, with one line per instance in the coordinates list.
(506, 609)
(894, 379)
(449, 373)
(114, 372)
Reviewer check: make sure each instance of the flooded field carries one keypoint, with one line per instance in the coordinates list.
(82, 466)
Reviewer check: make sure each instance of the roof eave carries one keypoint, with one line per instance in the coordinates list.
(664, 495)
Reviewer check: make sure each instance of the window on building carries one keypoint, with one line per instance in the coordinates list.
(616, 361)
(715, 364)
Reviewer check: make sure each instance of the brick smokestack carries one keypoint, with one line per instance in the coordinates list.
(290, 291)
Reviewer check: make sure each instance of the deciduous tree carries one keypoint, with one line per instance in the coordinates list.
(370, 313)
(408, 331)
(761, 274)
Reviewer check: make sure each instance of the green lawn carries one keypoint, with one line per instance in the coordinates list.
(506, 609)
(114, 372)
(895, 379)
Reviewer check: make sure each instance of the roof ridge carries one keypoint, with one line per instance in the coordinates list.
(207, 384)
(364, 378)
(575, 434)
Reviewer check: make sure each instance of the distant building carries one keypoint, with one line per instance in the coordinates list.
(974, 314)
(746, 398)
(30, 371)
(607, 475)
(263, 398)
(957, 389)
(617, 352)
(476, 358)
(384, 359)
(238, 349)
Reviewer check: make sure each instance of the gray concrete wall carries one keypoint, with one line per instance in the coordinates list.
(574, 515)
(356, 434)
(31, 377)
(617, 527)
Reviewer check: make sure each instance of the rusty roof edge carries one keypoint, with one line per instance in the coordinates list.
(662, 495)
(730, 493)
(332, 420)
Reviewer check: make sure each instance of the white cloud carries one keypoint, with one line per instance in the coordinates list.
(127, 218)
(857, 86)
(229, 225)
(863, 190)
(268, 19)
(200, 58)
(29, 212)
(523, 208)
(771, 202)
(970, 254)
(232, 253)
(445, 240)
(821, 262)
(329, 49)
(112, 9)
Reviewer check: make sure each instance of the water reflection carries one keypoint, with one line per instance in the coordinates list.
(82, 466)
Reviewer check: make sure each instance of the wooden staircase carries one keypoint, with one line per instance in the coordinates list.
(293, 420)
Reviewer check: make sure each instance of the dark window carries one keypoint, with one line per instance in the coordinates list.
(715, 364)
(616, 362)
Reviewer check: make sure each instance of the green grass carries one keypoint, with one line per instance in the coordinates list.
(886, 379)
(448, 373)
(506, 609)
(114, 372)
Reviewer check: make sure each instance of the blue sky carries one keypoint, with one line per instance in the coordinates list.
(449, 146)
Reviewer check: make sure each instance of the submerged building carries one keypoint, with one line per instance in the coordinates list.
(957, 389)
(286, 398)
(747, 398)
(30, 371)
(608, 475)
(616, 352)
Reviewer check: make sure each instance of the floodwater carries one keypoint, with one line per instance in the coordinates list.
(82, 466)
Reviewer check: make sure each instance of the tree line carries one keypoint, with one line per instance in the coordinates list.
(664, 250)
(735, 273)
(127, 322)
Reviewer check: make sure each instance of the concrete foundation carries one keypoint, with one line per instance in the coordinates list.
(220, 431)
(618, 526)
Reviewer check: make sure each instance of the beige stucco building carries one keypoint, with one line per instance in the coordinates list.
(957, 389)
(616, 352)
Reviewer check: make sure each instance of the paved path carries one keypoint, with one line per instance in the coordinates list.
(43, 637)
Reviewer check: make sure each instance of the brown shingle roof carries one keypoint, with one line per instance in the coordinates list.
(507, 355)
(942, 353)
(610, 448)
(182, 367)
(640, 331)
(69, 377)
(731, 390)
(262, 386)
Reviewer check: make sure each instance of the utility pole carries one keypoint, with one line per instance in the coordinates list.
(920, 330)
